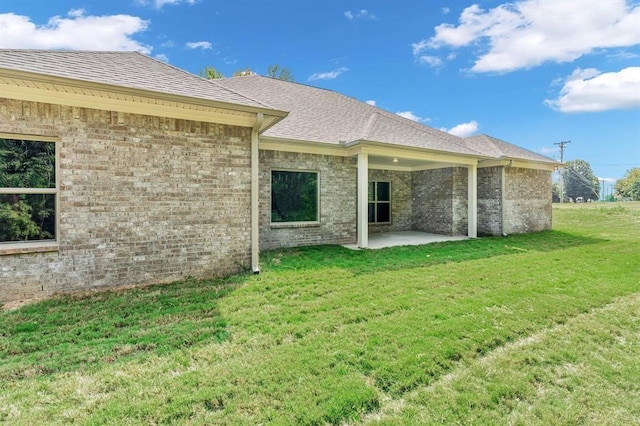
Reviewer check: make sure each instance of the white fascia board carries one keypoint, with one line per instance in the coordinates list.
(414, 153)
(55, 90)
(522, 164)
(302, 147)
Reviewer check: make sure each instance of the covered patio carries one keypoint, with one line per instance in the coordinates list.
(405, 238)
(418, 162)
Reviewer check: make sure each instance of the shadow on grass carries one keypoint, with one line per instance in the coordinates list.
(393, 258)
(80, 333)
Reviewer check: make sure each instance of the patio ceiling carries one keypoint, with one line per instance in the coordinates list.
(404, 163)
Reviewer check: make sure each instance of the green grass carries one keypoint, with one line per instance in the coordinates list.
(529, 329)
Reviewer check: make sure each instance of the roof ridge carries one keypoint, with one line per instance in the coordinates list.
(213, 81)
(496, 144)
(74, 51)
(431, 130)
(369, 125)
(494, 139)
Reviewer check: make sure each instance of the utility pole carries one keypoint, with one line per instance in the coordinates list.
(562, 144)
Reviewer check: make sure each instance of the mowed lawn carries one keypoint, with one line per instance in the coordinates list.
(531, 329)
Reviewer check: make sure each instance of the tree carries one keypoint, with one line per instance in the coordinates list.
(629, 186)
(30, 165)
(273, 71)
(242, 73)
(555, 192)
(579, 180)
(280, 73)
(210, 73)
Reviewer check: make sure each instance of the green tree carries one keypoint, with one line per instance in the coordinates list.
(27, 164)
(629, 186)
(280, 73)
(273, 71)
(242, 73)
(555, 192)
(210, 73)
(579, 180)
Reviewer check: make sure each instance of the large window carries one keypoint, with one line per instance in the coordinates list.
(294, 196)
(27, 190)
(379, 202)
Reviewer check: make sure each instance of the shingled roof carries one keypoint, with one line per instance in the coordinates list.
(497, 148)
(131, 70)
(320, 115)
(315, 115)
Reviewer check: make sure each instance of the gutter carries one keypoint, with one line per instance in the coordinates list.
(255, 195)
(135, 91)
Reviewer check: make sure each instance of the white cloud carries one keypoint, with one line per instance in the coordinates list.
(446, 10)
(328, 75)
(607, 180)
(411, 116)
(159, 4)
(590, 91)
(371, 102)
(204, 45)
(432, 61)
(545, 150)
(623, 55)
(359, 14)
(162, 57)
(75, 31)
(463, 130)
(527, 33)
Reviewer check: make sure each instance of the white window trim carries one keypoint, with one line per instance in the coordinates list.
(35, 246)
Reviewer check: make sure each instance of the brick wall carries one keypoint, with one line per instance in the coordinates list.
(440, 201)
(527, 200)
(142, 200)
(490, 201)
(400, 200)
(337, 177)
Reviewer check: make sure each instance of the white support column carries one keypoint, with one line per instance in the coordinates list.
(472, 201)
(363, 200)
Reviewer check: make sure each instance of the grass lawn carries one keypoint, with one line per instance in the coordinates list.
(530, 329)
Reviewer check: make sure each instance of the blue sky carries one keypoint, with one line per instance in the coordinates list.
(531, 72)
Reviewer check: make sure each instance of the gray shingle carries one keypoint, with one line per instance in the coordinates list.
(320, 115)
(497, 148)
(123, 69)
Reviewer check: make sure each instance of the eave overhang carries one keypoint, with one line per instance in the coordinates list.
(26, 86)
(520, 163)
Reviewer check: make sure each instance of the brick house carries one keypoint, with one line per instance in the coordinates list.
(156, 174)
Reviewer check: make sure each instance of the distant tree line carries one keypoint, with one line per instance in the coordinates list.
(580, 181)
(629, 186)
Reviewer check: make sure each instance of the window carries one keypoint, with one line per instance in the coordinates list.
(294, 196)
(27, 190)
(379, 202)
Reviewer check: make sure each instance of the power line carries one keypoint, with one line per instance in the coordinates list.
(562, 144)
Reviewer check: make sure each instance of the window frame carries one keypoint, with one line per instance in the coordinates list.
(291, 224)
(374, 200)
(31, 246)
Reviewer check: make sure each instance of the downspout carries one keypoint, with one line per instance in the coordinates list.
(255, 195)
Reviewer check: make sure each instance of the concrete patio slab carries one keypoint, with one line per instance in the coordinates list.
(405, 238)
